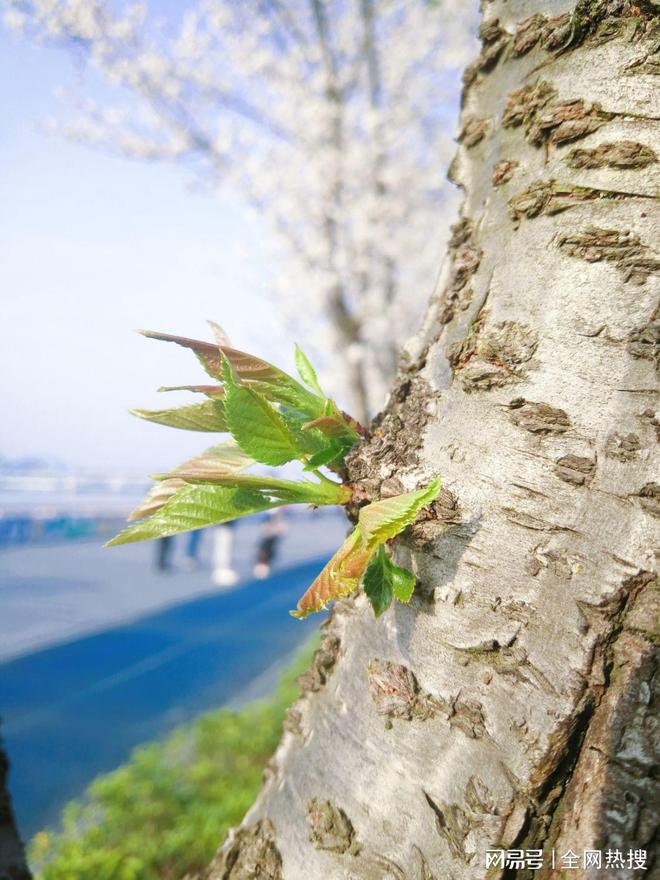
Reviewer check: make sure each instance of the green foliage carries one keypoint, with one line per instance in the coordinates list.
(164, 813)
(207, 416)
(194, 507)
(384, 581)
(258, 428)
(378, 522)
(307, 372)
(383, 520)
(273, 420)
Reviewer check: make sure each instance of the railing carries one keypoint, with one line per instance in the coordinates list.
(23, 529)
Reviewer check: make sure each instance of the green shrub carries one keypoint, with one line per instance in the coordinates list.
(165, 812)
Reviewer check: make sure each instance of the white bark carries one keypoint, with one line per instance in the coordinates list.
(511, 703)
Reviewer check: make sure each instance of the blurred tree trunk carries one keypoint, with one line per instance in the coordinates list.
(12, 858)
(511, 705)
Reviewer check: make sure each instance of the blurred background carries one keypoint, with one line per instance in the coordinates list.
(278, 166)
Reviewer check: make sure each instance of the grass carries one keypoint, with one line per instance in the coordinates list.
(165, 812)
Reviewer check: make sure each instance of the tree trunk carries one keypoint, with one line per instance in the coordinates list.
(12, 858)
(511, 705)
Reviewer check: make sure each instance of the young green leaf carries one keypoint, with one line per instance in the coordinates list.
(307, 372)
(328, 425)
(246, 365)
(208, 390)
(339, 577)
(325, 456)
(193, 507)
(283, 491)
(257, 427)
(156, 498)
(309, 442)
(271, 382)
(383, 581)
(377, 585)
(207, 416)
(382, 520)
(224, 458)
(221, 460)
(377, 523)
(220, 336)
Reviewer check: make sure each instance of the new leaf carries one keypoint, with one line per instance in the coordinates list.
(307, 372)
(383, 581)
(258, 427)
(193, 507)
(382, 520)
(207, 416)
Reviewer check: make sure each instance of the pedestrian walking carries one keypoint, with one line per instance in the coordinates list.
(164, 548)
(273, 529)
(192, 560)
(224, 574)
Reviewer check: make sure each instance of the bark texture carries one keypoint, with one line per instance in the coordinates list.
(514, 702)
(12, 858)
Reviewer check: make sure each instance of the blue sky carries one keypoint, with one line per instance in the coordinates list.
(93, 246)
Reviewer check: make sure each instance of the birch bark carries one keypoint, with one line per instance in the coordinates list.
(513, 704)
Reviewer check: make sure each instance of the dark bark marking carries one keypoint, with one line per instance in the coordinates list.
(379, 867)
(251, 855)
(644, 342)
(622, 154)
(453, 822)
(444, 509)
(595, 21)
(575, 469)
(649, 498)
(425, 872)
(466, 257)
(648, 63)
(623, 248)
(649, 417)
(592, 21)
(467, 715)
(330, 828)
(548, 122)
(523, 104)
(538, 418)
(472, 131)
(494, 40)
(623, 447)
(503, 172)
(512, 660)
(396, 692)
(490, 358)
(323, 663)
(527, 34)
(397, 695)
(550, 198)
(527, 520)
(565, 122)
(293, 721)
(557, 561)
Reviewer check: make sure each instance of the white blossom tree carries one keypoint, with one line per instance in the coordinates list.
(329, 117)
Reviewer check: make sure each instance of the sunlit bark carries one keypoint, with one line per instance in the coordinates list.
(512, 703)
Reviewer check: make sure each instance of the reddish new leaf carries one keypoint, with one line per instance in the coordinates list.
(339, 577)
